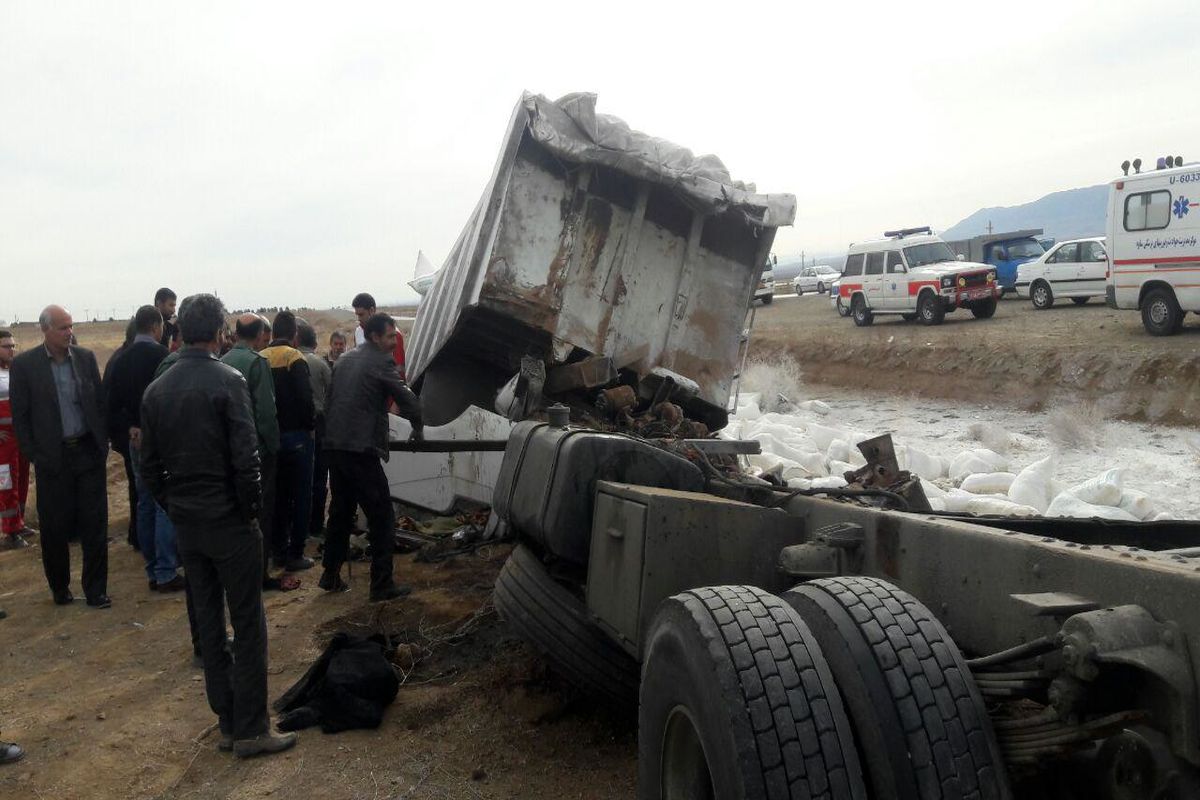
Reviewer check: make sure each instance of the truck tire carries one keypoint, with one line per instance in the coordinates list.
(1080, 301)
(858, 309)
(922, 727)
(841, 307)
(1040, 295)
(1161, 314)
(767, 299)
(737, 701)
(930, 309)
(984, 309)
(556, 622)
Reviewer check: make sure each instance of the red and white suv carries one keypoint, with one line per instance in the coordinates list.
(916, 275)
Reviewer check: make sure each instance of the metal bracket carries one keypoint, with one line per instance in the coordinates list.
(1128, 636)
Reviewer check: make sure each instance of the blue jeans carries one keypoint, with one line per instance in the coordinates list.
(156, 534)
(293, 495)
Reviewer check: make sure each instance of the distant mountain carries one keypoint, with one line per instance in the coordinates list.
(1070, 214)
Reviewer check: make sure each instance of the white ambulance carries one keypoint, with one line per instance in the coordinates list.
(915, 274)
(1154, 244)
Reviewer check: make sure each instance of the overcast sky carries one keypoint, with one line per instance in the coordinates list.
(295, 153)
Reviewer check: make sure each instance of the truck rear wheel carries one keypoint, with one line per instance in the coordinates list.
(922, 727)
(737, 701)
(930, 309)
(555, 621)
(842, 310)
(1161, 314)
(984, 309)
(858, 309)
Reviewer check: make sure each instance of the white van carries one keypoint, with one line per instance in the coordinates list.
(1154, 245)
(915, 274)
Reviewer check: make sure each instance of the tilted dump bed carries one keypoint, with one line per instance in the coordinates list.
(594, 239)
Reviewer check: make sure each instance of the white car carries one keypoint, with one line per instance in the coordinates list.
(1076, 268)
(815, 279)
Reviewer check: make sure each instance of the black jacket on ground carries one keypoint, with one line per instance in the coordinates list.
(36, 418)
(348, 687)
(199, 446)
(364, 379)
(127, 382)
(293, 387)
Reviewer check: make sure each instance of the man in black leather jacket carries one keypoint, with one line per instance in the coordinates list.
(356, 438)
(200, 459)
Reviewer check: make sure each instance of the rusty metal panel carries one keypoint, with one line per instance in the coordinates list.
(612, 257)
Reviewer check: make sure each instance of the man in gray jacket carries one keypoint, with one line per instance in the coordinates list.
(356, 438)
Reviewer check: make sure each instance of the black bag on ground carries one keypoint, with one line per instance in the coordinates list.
(348, 687)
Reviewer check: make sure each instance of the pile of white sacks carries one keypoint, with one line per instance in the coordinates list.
(799, 449)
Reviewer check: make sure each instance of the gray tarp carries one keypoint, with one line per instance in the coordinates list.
(571, 129)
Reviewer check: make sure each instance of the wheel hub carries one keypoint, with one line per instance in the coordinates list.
(685, 774)
(1158, 312)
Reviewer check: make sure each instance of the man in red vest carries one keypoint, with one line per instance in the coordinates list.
(14, 468)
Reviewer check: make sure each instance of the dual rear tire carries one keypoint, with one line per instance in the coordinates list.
(739, 699)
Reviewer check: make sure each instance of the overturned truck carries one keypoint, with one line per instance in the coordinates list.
(776, 642)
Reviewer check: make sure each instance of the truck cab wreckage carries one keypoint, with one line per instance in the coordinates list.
(777, 643)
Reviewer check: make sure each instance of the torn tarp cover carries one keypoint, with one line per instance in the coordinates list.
(571, 129)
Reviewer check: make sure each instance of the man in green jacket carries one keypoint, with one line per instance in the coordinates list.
(245, 359)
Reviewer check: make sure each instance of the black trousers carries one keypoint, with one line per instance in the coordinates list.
(73, 501)
(266, 514)
(357, 479)
(320, 484)
(223, 566)
(130, 485)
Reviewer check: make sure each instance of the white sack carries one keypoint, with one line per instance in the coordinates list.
(979, 460)
(824, 436)
(839, 468)
(956, 500)
(1102, 490)
(988, 482)
(921, 463)
(1032, 486)
(1138, 504)
(838, 450)
(815, 407)
(1068, 505)
(998, 506)
(832, 482)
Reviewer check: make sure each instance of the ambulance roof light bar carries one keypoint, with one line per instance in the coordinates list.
(900, 234)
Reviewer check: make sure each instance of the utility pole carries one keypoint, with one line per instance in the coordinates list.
(989, 227)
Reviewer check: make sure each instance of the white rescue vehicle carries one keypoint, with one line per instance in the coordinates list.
(1154, 244)
(914, 273)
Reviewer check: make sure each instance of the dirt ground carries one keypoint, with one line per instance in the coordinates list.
(1030, 359)
(108, 706)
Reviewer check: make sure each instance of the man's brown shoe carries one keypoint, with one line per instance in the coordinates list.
(263, 745)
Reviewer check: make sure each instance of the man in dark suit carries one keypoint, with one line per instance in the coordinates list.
(58, 417)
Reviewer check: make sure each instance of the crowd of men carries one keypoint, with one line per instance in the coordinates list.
(232, 440)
